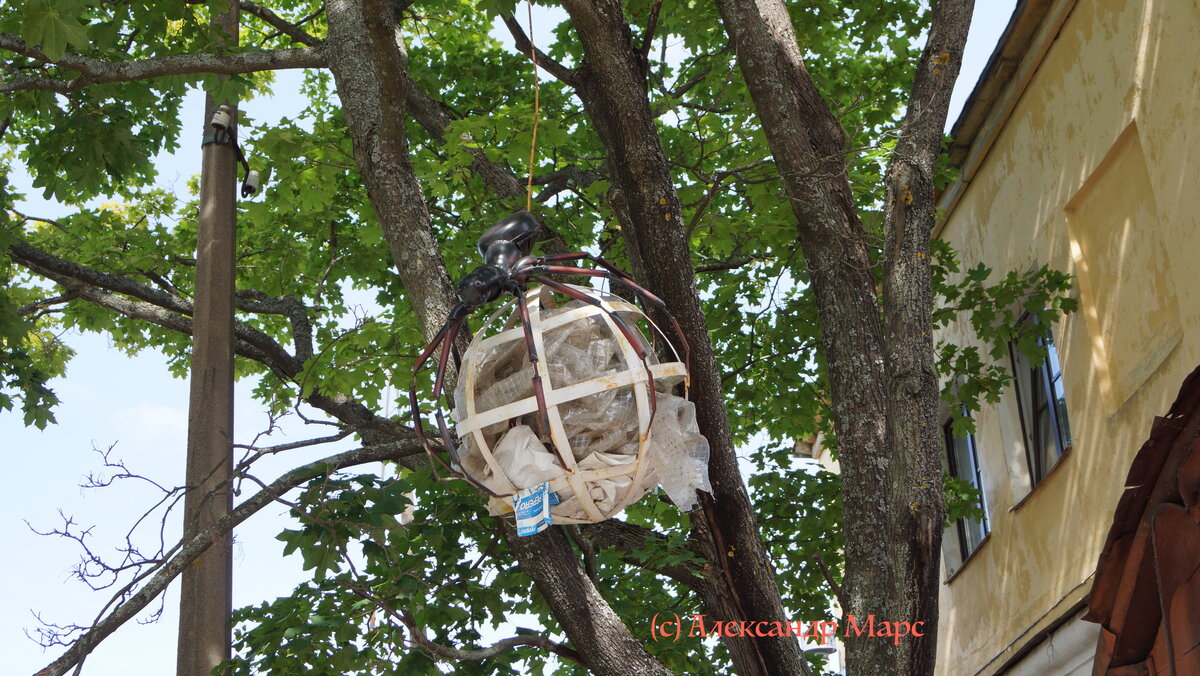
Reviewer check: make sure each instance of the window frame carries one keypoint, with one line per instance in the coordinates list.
(1041, 379)
(975, 479)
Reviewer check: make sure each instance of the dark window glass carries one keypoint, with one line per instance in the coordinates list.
(964, 465)
(1043, 407)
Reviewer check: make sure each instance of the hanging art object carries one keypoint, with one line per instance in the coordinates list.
(563, 411)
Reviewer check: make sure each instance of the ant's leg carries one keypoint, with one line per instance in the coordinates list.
(438, 340)
(444, 339)
(438, 392)
(439, 385)
(582, 256)
(538, 392)
(630, 334)
(616, 275)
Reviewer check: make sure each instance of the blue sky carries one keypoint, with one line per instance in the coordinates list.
(135, 406)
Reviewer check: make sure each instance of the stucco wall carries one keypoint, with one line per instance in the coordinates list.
(1097, 172)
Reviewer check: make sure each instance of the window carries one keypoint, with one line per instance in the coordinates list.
(963, 464)
(1043, 407)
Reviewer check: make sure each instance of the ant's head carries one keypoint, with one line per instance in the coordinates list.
(481, 285)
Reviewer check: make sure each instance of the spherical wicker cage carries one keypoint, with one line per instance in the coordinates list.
(607, 448)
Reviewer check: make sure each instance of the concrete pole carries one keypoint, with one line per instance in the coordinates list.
(206, 596)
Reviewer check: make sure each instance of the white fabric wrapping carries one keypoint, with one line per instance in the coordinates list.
(601, 428)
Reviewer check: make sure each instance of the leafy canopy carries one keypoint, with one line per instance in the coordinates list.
(313, 237)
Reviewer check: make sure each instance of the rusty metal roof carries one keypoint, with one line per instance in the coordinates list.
(1151, 558)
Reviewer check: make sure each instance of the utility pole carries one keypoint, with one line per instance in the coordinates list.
(206, 596)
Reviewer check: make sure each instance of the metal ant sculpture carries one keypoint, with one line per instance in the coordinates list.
(508, 267)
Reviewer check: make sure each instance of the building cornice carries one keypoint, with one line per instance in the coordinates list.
(1032, 29)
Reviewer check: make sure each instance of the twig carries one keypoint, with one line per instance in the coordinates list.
(190, 550)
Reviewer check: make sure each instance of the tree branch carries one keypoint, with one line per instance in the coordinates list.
(451, 653)
(253, 300)
(914, 494)
(629, 540)
(434, 118)
(612, 86)
(160, 307)
(567, 178)
(521, 41)
(47, 221)
(97, 71)
(190, 550)
(596, 631)
(278, 23)
(648, 35)
(838, 592)
(172, 312)
(587, 551)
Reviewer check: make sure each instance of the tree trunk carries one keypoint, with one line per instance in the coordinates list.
(595, 630)
(807, 142)
(884, 387)
(611, 82)
(918, 509)
(369, 70)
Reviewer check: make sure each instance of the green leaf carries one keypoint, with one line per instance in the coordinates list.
(53, 26)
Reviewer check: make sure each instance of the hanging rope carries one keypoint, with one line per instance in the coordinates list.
(536, 109)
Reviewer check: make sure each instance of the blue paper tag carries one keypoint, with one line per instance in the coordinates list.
(532, 507)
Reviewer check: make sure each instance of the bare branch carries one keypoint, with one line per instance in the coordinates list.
(190, 550)
(96, 71)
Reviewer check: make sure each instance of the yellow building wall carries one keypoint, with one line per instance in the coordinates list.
(1096, 172)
